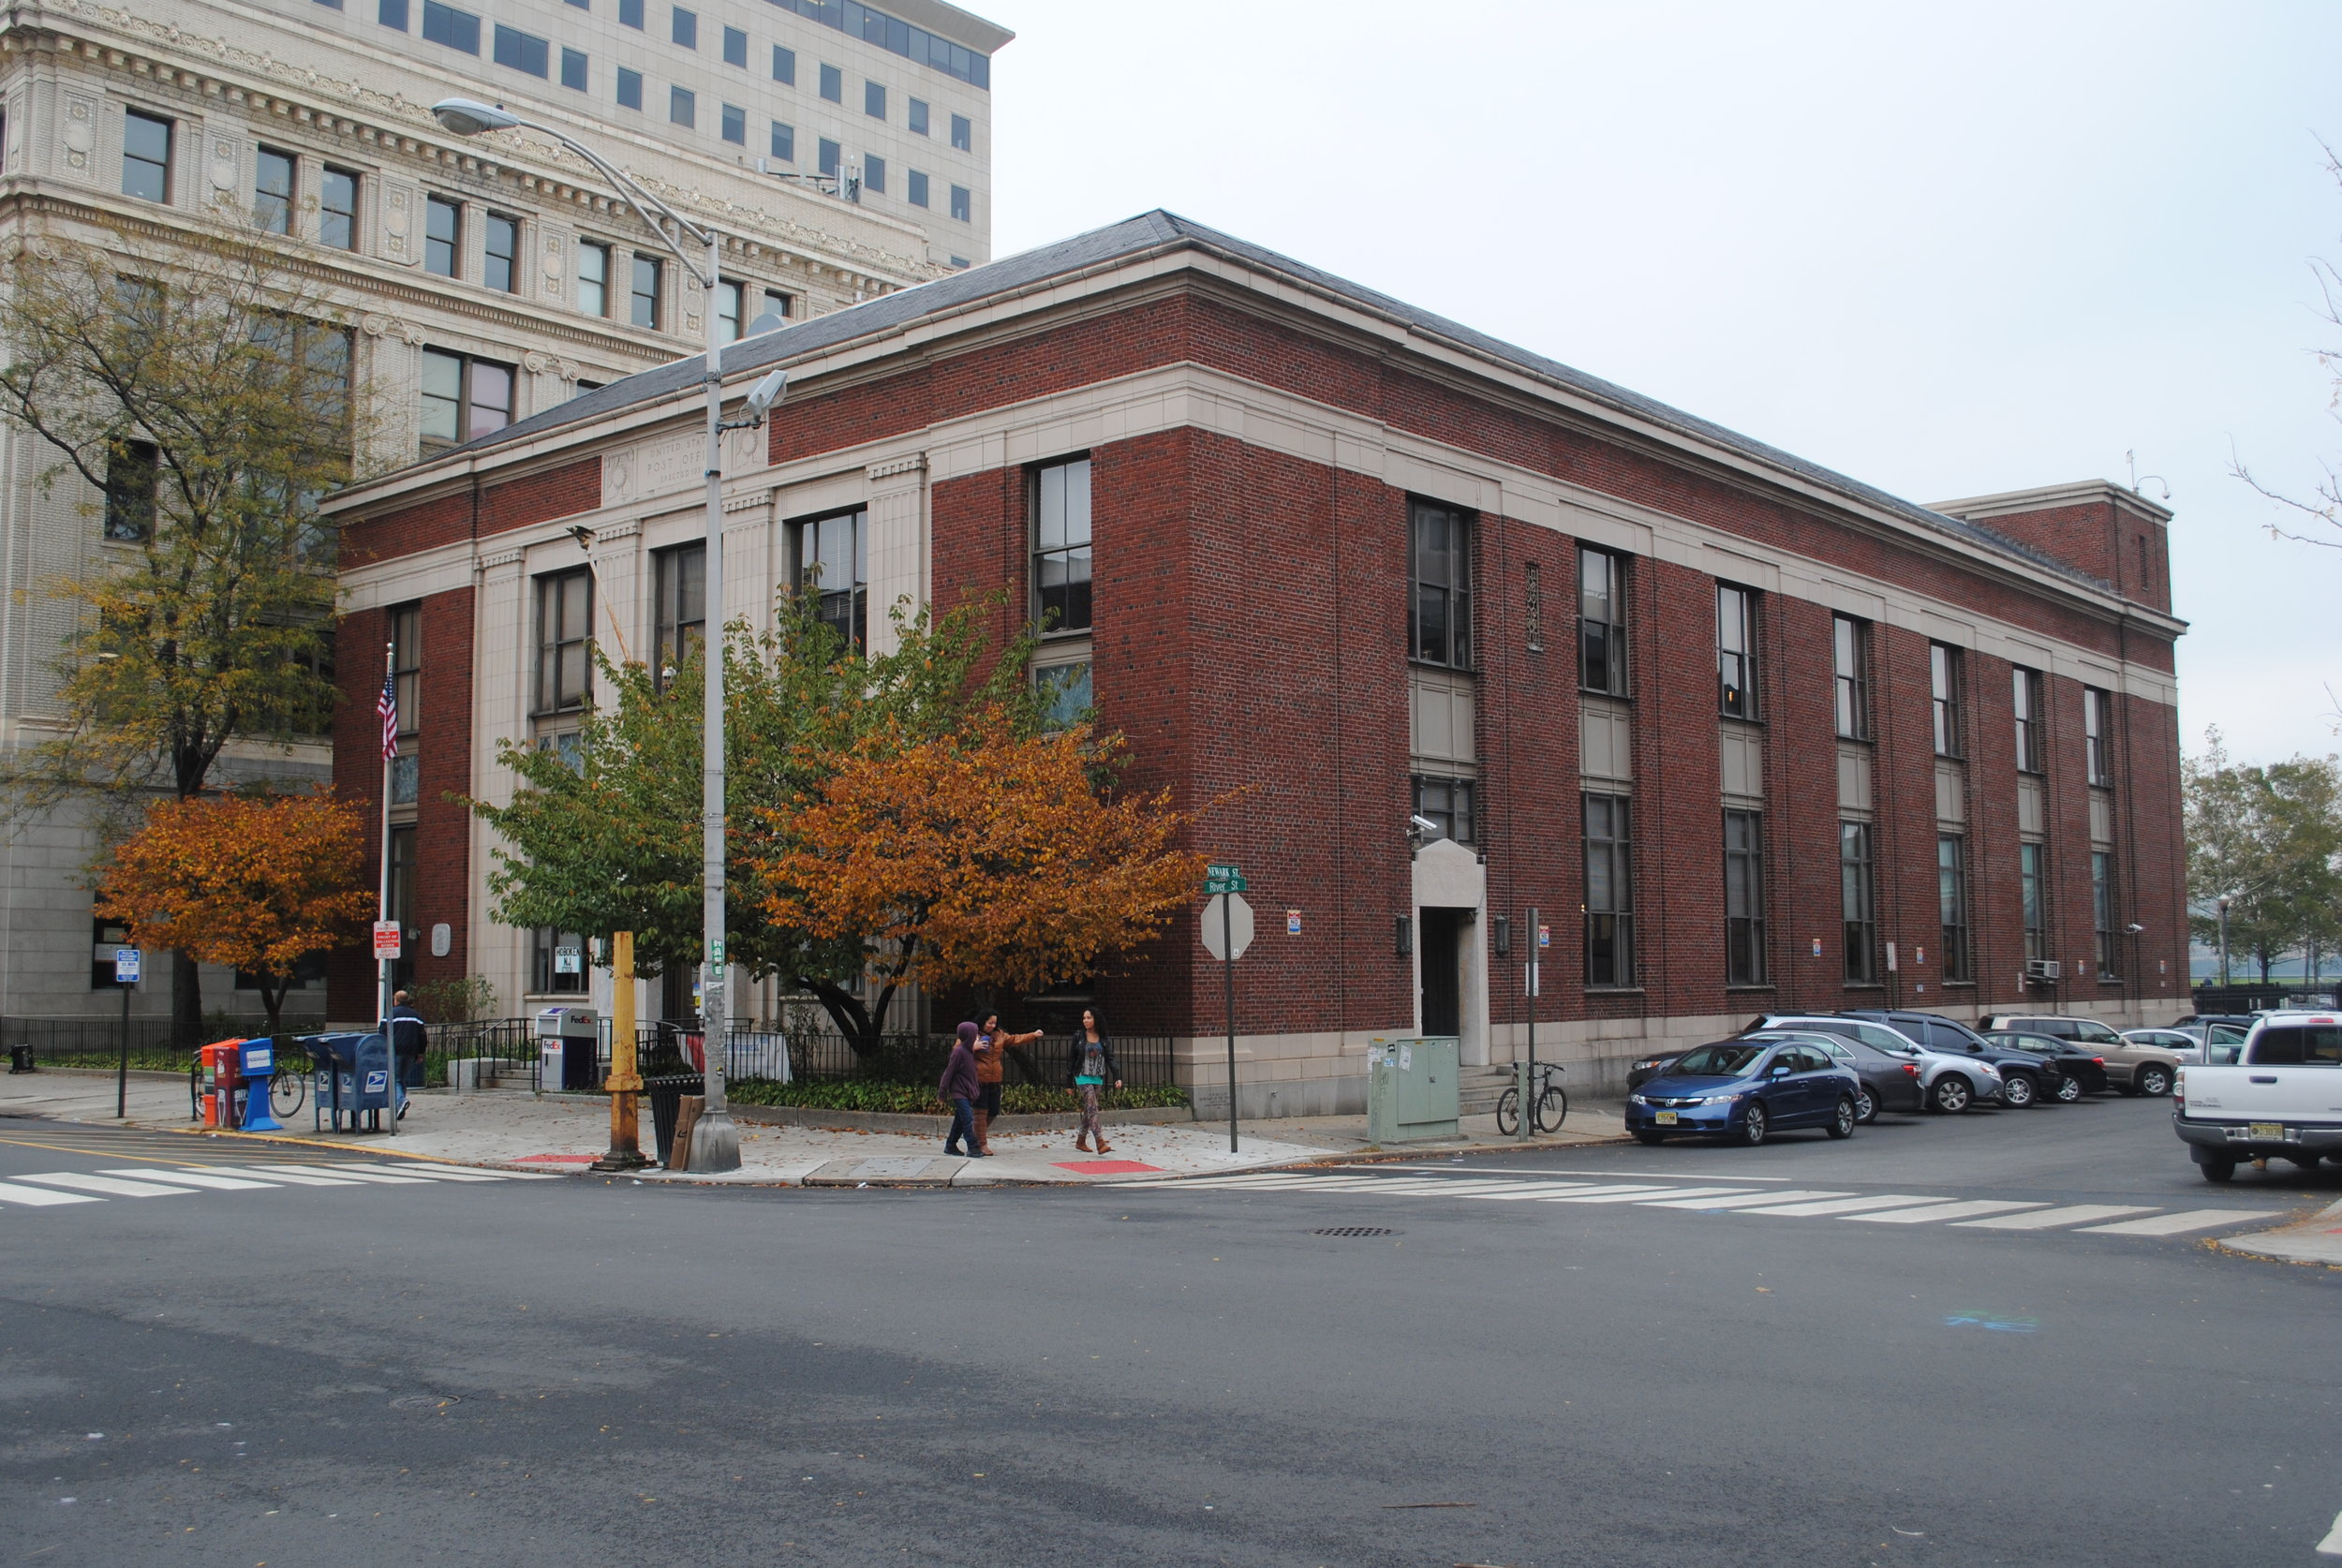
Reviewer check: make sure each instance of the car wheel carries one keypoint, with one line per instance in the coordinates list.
(1649, 1140)
(2017, 1090)
(1951, 1094)
(1842, 1121)
(1753, 1126)
(1866, 1107)
(2153, 1080)
(2217, 1170)
(2068, 1090)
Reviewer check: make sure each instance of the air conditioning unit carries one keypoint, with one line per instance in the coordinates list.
(2044, 969)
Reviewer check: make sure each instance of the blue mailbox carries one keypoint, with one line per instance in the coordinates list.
(353, 1077)
(255, 1064)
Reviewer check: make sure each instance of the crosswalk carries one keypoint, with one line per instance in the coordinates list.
(56, 1189)
(1872, 1208)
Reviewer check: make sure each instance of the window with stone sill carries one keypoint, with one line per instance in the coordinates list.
(1058, 496)
(1065, 694)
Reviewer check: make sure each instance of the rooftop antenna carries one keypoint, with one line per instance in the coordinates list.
(2131, 460)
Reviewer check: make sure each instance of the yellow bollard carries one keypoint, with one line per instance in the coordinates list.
(625, 1085)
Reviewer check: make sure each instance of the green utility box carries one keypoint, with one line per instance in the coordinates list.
(1411, 1089)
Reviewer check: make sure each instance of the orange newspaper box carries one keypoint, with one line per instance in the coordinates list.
(221, 1084)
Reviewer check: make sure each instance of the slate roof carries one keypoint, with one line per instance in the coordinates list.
(1158, 230)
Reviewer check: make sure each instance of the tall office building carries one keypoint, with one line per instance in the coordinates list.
(479, 280)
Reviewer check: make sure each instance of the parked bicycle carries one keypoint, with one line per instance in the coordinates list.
(287, 1091)
(1552, 1102)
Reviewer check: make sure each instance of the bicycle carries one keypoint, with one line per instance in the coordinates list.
(288, 1091)
(1552, 1103)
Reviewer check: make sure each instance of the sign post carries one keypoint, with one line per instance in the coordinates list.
(126, 976)
(387, 942)
(1235, 916)
(1529, 1079)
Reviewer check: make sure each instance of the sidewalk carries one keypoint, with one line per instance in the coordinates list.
(2318, 1240)
(517, 1129)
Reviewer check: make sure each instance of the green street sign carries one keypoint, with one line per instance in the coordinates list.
(1223, 873)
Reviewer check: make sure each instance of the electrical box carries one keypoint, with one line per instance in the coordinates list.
(1411, 1089)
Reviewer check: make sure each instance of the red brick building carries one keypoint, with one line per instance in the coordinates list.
(1748, 733)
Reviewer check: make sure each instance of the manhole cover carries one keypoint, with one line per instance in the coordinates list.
(1354, 1230)
(423, 1401)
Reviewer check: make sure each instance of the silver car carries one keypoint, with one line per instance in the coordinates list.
(1950, 1083)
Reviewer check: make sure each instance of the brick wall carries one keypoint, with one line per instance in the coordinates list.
(564, 491)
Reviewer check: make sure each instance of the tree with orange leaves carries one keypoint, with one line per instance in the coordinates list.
(256, 882)
(953, 859)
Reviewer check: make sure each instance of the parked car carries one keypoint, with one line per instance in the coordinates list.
(1746, 1090)
(2218, 1035)
(2187, 1044)
(1950, 1083)
(1889, 1082)
(1648, 1068)
(2026, 1078)
(2276, 1103)
(2130, 1067)
(2080, 1070)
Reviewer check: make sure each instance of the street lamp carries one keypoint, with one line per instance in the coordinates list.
(2223, 941)
(714, 1141)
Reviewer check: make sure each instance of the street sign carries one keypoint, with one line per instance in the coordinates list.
(126, 966)
(386, 935)
(1293, 922)
(1238, 927)
(1224, 878)
(568, 960)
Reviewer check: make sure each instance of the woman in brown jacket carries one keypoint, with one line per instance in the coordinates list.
(992, 1044)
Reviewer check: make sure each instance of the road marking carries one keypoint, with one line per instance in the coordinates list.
(300, 1176)
(1848, 1206)
(36, 1197)
(1613, 1173)
(1534, 1189)
(2332, 1545)
(347, 1173)
(423, 1172)
(1935, 1211)
(1620, 1193)
(111, 1186)
(199, 1179)
(1426, 1189)
(2190, 1220)
(1745, 1200)
(2073, 1214)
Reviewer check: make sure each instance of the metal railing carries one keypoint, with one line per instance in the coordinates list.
(156, 1044)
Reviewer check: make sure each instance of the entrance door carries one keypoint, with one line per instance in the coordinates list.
(1443, 973)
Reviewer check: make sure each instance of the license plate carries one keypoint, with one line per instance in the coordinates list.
(1665, 1118)
(2273, 1130)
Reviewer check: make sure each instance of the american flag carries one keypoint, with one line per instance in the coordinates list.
(387, 705)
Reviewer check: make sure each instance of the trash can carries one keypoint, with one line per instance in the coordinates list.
(20, 1058)
(569, 1049)
(665, 1093)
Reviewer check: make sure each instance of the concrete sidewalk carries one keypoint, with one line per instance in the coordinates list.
(2314, 1241)
(517, 1129)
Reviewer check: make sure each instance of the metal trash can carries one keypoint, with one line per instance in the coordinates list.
(569, 1049)
(665, 1093)
(20, 1058)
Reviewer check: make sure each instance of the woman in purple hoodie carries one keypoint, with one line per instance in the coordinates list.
(958, 1090)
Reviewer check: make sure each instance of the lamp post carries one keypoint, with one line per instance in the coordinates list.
(2224, 941)
(714, 1141)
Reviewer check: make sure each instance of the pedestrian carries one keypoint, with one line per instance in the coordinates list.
(408, 1041)
(1093, 1066)
(992, 1044)
(958, 1090)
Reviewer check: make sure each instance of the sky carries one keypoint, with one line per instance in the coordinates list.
(1946, 250)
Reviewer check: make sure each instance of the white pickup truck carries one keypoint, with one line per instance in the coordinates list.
(2281, 1100)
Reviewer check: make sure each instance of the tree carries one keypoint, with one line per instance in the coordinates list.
(2269, 839)
(959, 859)
(258, 883)
(205, 401)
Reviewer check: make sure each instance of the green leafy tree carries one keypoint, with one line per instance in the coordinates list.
(2269, 839)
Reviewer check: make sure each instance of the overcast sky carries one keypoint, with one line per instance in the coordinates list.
(1946, 250)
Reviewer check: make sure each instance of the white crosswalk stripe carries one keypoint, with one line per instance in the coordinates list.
(1750, 1200)
(2072, 1214)
(201, 1178)
(2172, 1225)
(113, 1187)
(41, 1190)
(1844, 1206)
(40, 1197)
(1936, 1209)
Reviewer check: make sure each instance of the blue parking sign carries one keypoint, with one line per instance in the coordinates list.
(126, 966)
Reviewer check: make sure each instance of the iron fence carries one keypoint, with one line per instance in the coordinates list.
(156, 1044)
(1145, 1060)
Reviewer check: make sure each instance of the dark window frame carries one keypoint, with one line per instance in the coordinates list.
(2098, 726)
(845, 610)
(1858, 901)
(1440, 541)
(2033, 898)
(1850, 677)
(162, 183)
(1951, 909)
(683, 107)
(2025, 700)
(2108, 952)
(451, 244)
(133, 501)
(1450, 801)
(736, 47)
(492, 262)
(273, 210)
(1608, 825)
(1063, 566)
(451, 27)
(466, 400)
(604, 252)
(679, 606)
(338, 226)
(732, 123)
(1602, 641)
(683, 27)
(641, 303)
(1744, 950)
(403, 630)
(626, 86)
(521, 51)
(963, 133)
(1947, 674)
(565, 635)
(1737, 646)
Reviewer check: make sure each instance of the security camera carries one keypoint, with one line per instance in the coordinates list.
(2134, 928)
(767, 392)
(1423, 826)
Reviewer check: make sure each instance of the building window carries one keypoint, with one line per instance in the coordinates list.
(146, 157)
(1850, 654)
(874, 100)
(1064, 691)
(1061, 546)
(1944, 677)
(874, 174)
(1609, 893)
(337, 209)
(133, 470)
(834, 569)
(573, 70)
(963, 133)
(2033, 894)
(776, 304)
(728, 295)
(2097, 726)
(273, 191)
(560, 967)
(1736, 651)
(833, 85)
(631, 14)
(463, 398)
(442, 235)
(1743, 898)
(105, 936)
(1448, 803)
(1439, 585)
(916, 188)
(392, 13)
(2102, 910)
(445, 25)
(1601, 622)
(1952, 898)
(784, 143)
(918, 122)
(523, 52)
(593, 278)
(643, 297)
(629, 88)
(565, 609)
(829, 156)
(736, 47)
(402, 881)
(735, 125)
(1855, 901)
(683, 107)
(2031, 757)
(406, 635)
(962, 205)
(684, 28)
(503, 253)
(784, 65)
(680, 616)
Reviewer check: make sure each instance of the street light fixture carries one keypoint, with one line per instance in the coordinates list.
(715, 1140)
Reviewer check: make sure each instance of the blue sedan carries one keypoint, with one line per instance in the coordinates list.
(1745, 1090)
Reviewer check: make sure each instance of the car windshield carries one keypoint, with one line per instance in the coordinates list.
(1719, 1062)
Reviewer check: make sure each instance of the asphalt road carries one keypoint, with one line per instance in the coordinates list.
(573, 1371)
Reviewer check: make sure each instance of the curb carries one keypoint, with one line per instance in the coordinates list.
(2317, 1240)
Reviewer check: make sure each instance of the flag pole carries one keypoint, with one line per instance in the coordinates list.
(386, 966)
